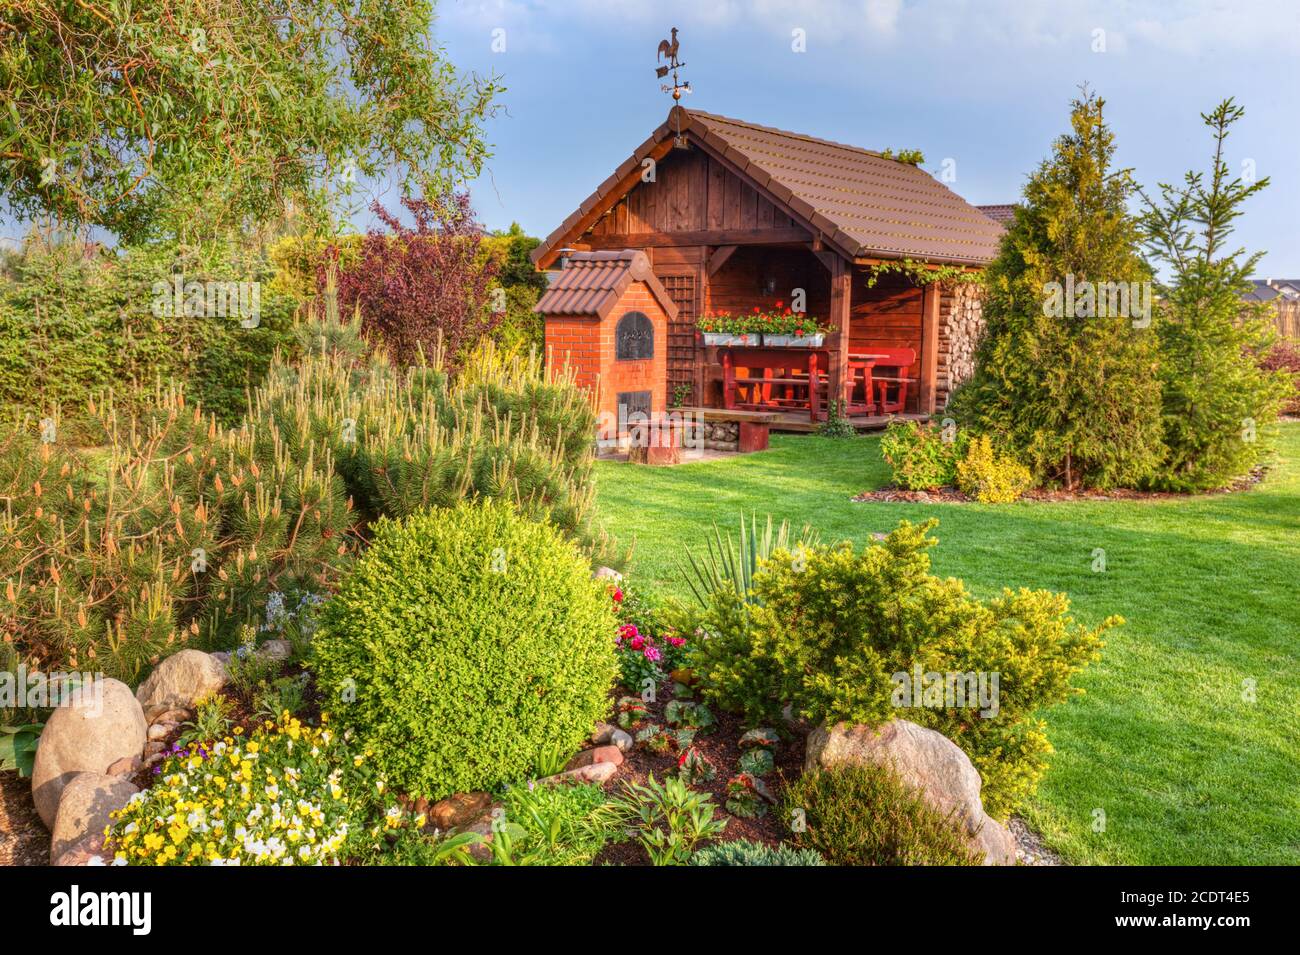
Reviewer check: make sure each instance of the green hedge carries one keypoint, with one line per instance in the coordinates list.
(75, 322)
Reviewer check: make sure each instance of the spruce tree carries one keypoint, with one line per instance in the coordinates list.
(1218, 402)
(1064, 377)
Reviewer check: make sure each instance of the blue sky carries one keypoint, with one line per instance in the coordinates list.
(986, 83)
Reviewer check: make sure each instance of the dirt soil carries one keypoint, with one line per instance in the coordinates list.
(721, 746)
(24, 840)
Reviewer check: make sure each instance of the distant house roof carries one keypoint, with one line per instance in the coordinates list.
(1000, 213)
(1266, 290)
(856, 200)
(593, 282)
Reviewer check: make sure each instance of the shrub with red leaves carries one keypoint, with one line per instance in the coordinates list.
(415, 283)
(1285, 356)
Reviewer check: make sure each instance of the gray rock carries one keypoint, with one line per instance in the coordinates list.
(172, 716)
(105, 725)
(84, 809)
(608, 573)
(277, 650)
(621, 739)
(603, 733)
(180, 681)
(926, 761)
(160, 731)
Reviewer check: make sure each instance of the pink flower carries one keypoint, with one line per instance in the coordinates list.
(677, 641)
(652, 654)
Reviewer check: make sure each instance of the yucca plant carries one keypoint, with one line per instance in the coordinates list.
(731, 563)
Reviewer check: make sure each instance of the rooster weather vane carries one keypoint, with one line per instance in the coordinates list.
(668, 49)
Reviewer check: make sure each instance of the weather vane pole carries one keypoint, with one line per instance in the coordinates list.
(668, 49)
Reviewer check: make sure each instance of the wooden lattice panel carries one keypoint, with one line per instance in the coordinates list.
(681, 335)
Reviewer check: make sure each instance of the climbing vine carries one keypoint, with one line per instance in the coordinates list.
(922, 273)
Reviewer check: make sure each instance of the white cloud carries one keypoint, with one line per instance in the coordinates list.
(1186, 27)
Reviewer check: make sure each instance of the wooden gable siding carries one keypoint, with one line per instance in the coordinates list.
(888, 315)
(692, 192)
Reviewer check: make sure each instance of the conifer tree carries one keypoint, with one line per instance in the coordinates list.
(1066, 371)
(1218, 402)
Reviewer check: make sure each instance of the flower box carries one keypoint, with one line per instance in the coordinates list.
(719, 339)
(793, 341)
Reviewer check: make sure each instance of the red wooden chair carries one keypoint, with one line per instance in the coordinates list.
(891, 390)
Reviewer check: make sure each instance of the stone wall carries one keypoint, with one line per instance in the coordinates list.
(961, 323)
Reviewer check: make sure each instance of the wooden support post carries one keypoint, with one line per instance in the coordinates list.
(928, 392)
(841, 285)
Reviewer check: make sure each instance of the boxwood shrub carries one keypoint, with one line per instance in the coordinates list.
(466, 642)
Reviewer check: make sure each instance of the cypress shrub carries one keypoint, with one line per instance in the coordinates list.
(1074, 396)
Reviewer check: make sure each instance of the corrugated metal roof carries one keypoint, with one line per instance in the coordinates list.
(860, 202)
(593, 282)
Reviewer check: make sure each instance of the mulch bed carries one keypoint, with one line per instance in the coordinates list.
(950, 495)
(24, 839)
(721, 746)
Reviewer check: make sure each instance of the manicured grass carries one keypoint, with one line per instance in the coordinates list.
(1167, 741)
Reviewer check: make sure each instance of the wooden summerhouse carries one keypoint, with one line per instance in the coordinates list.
(733, 217)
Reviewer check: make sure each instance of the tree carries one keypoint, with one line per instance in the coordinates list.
(1066, 371)
(418, 286)
(184, 117)
(1218, 401)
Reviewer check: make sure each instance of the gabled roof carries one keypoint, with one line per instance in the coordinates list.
(859, 202)
(1265, 290)
(593, 282)
(1003, 213)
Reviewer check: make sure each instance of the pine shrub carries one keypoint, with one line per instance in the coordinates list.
(467, 641)
(172, 532)
(856, 815)
(1219, 403)
(827, 628)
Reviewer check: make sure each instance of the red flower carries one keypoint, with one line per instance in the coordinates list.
(617, 595)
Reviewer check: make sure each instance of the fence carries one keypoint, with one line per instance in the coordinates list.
(1287, 320)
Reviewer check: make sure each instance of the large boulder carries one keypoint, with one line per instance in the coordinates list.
(180, 681)
(84, 809)
(103, 725)
(924, 760)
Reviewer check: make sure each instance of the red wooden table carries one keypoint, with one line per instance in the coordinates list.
(794, 379)
(790, 379)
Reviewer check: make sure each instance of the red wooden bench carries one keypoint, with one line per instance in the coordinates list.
(890, 390)
(797, 373)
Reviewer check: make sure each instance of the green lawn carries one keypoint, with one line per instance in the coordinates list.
(1187, 770)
